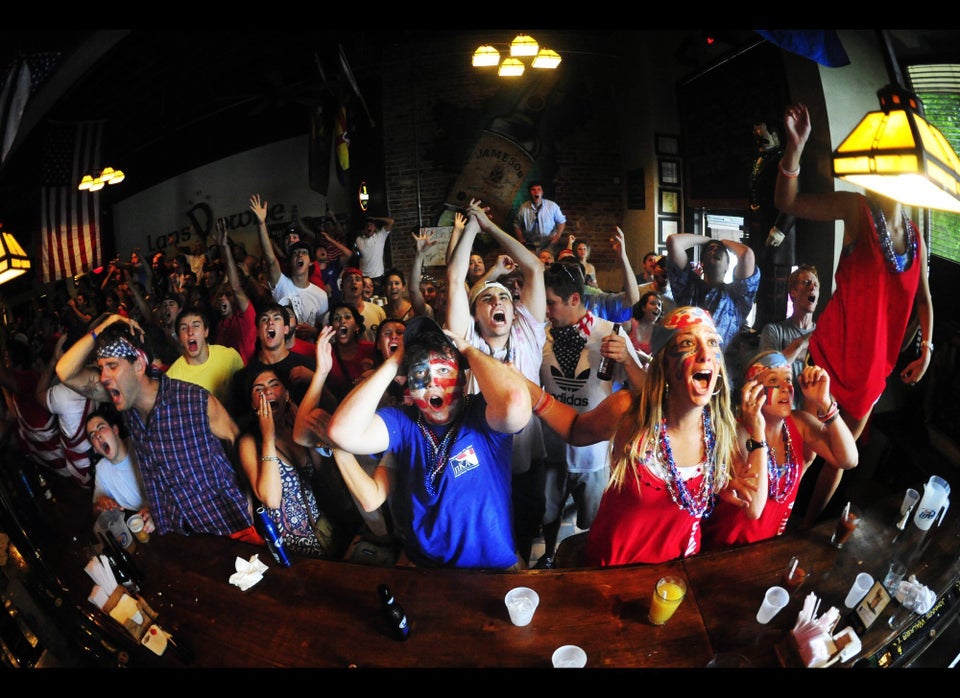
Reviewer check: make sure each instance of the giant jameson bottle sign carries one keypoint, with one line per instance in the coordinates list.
(501, 160)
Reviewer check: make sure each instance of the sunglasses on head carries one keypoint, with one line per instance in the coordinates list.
(567, 269)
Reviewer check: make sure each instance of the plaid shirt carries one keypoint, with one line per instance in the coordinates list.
(188, 478)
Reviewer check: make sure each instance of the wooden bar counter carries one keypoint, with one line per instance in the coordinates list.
(325, 614)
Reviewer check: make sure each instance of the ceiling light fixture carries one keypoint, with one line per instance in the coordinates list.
(523, 46)
(93, 181)
(13, 260)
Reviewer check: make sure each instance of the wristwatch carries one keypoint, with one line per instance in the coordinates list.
(754, 445)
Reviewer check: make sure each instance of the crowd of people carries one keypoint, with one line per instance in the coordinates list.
(447, 422)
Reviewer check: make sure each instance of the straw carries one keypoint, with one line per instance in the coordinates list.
(846, 511)
(793, 567)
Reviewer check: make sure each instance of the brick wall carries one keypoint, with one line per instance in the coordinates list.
(433, 113)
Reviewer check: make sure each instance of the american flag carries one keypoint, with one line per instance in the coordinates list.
(70, 218)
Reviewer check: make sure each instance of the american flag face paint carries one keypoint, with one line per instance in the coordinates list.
(435, 388)
(773, 372)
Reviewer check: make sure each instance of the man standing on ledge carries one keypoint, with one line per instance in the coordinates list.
(539, 222)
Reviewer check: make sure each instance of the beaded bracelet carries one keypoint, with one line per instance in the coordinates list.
(269, 458)
(832, 410)
(789, 174)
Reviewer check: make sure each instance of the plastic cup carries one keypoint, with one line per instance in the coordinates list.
(845, 527)
(775, 599)
(569, 657)
(909, 499)
(728, 660)
(861, 585)
(667, 595)
(136, 526)
(893, 577)
(521, 603)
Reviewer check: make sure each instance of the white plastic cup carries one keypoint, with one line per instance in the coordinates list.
(521, 603)
(910, 498)
(861, 585)
(775, 599)
(569, 657)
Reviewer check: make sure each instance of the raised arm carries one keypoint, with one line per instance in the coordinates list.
(74, 370)
(355, 425)
(424, 240)
(459, 222)
(310, 426)
(458, 304)
(502, 386)
(746, 262)
(233, 276)
(259, 209)
(679, 243)
(533, 294)
(629, 277)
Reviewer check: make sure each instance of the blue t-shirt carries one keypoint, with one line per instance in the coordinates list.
(463, 518)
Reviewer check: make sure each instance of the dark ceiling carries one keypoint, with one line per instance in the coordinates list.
(174, 99)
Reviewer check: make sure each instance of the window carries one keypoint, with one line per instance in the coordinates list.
(938, 87)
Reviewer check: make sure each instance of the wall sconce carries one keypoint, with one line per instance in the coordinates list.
(522, 46)
(897, 154)
(13, 260)
(93, 181)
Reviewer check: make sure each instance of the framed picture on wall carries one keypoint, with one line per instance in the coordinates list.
(636, 190)
(668, 226)
(667, 144)
(670, 202)
(670, 173)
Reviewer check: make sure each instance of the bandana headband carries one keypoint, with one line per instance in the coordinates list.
(121, 348)
(681, 318)
(773, 360)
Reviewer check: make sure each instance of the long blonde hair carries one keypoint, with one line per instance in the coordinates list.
(639, 425)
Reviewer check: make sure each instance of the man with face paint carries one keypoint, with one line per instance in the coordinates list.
(449, 485)
(510, 331)
(791, 438)
(178, 431)
(791, 336)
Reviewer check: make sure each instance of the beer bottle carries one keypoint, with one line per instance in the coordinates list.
(605, 367)
(273, 538)
(393, 614)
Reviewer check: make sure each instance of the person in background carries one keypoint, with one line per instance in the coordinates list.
(211, 366)
(645, 315)
(539, 222)
(353, 354)
(395, 287)
(351, 286)
(308, 301)
(274, 329)
(881, 280)
(615, 307)
(791, 336)
(582, 251)
(673, 448)
(546, 258)
(789, 439)
(368, 290)
(237, 326)
(476, 270)
(280, 470)
(450, 488)
(117, 484)
(371, 245)
(660, 285)
(650, 260)
(179, 431)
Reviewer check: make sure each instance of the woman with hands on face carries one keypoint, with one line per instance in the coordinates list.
(789, 440)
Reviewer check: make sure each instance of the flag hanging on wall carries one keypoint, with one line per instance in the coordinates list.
(70, 218)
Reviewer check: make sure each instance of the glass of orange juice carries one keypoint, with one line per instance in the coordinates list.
(667, 596)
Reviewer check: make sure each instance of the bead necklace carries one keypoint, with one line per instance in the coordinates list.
(701, 504)
(782, 478)
(439, 449)
(895, 262)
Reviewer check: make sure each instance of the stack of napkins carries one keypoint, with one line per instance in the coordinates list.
(248, 573)
(812, 635)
